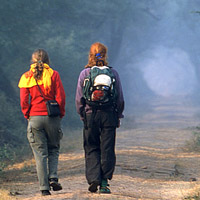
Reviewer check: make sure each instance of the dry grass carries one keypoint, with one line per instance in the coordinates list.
(6, 195)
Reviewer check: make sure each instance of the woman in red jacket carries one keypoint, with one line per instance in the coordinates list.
(40, 84)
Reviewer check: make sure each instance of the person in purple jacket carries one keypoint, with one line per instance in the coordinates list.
(99, 137)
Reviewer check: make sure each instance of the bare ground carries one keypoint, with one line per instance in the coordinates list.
(152, 162)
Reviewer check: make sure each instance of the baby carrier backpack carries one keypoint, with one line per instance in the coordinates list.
(99, 89)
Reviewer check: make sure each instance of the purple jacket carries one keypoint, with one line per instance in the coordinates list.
(79, 93)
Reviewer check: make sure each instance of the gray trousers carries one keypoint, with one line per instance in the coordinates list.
(44, 134)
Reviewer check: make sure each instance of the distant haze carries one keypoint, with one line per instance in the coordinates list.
(169, 72)
(160, 51)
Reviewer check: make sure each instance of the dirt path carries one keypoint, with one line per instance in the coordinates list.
(151, 162)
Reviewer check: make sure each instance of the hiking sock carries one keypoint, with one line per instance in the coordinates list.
(104, 183)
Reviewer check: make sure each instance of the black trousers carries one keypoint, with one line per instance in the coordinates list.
(99, 145)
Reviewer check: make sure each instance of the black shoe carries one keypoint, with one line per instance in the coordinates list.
(53, 182)
(93, 187)
(45, 192)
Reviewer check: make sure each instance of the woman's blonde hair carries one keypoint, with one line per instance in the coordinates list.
(97, 55)
(39, 56)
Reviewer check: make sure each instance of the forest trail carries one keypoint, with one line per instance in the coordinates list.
(151, 161)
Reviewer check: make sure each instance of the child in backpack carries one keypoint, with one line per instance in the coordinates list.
(100, 120)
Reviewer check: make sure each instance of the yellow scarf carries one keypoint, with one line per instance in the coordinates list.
(27, 80)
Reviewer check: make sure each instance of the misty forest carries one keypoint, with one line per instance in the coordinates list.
(153, 44)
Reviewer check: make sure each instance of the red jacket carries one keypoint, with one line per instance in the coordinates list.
(32, 103)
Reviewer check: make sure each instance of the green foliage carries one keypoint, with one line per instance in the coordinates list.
(193, 144)
(6, 156)
(197, 138)
(10, 153)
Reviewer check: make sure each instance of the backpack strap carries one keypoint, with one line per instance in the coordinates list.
(83, 113)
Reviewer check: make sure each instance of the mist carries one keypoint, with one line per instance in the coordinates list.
(169, 72)
(159, 54)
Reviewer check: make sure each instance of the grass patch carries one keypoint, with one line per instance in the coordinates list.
(196, 197)
(10, 154)
(193, 145)
(5, 195)
(6, 155)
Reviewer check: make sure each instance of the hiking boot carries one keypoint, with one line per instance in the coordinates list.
(53, 182)
(45, 192)
(93, 187)
(104, 190)
(104, 187)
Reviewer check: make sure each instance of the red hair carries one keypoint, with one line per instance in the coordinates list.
(101, 50)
